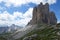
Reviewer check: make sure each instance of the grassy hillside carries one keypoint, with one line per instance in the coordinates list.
(4, 36)
(43, 31)
(58, 32)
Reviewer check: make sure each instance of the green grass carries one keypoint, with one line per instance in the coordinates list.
(48, 33)
(4, 36)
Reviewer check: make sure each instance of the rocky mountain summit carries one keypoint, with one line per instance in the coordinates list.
(41, 14)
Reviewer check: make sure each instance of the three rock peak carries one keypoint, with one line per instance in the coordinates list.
(41, 14)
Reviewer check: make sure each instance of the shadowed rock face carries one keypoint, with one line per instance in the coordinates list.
(41, 14)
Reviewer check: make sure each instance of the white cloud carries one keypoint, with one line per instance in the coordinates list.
(58, 22)
(51, 1)
(2, 9)
(8, 19)
(20, 2)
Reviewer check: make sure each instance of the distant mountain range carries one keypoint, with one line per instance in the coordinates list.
(6, 28)
(3, 29)
(14, 27)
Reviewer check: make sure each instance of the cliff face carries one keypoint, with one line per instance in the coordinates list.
(41, 14)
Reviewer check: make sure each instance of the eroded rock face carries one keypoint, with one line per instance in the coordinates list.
(41, 14)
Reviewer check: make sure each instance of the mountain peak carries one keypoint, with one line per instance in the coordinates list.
(41, 14)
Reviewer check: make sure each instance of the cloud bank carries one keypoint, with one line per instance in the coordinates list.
(20, 2)
(16, 18)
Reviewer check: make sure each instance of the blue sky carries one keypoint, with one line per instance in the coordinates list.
(19, 12)
(56, 8)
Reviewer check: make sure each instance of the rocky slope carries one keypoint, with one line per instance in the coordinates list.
(22, 32)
